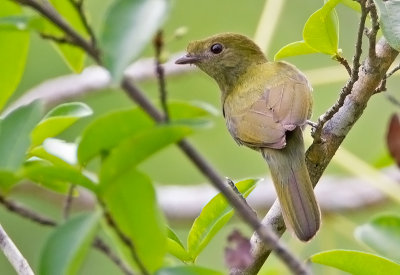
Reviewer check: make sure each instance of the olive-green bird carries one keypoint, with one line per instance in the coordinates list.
(265, 105)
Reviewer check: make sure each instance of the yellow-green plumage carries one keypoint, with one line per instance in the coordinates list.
(265, 105)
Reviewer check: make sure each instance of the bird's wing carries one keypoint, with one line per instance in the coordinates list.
(280, 108)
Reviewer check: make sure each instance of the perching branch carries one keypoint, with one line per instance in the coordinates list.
(13, 255)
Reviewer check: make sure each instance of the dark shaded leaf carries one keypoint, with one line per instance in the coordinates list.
(187, 270)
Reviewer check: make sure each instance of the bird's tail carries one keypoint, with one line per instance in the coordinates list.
(293, 186)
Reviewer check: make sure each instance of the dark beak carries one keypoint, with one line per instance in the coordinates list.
(187, 59)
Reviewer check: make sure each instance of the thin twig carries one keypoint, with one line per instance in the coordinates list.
(42, 220)
(344, 62)
(346, 90)
(68, 201)
(26, 213)
(100, 245)
(13, 255)
(158, 43)
(79, 8)
(245, 212)
(395, 69)
(371, 34)
(126, 240)
(48, 12)
(59, 40)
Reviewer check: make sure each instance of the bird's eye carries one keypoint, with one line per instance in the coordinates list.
(216, 48)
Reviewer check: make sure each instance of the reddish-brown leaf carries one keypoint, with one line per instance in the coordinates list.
(393, 138)
(238, 254)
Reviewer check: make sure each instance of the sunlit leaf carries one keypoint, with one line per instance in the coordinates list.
(14, 46)
(62, 150)
(187, 270)
(382, 234)
(7, 180)
(175, 247)
(352, 4)
(293, 49)
(109, 130)
(212, 218)
(58, 120)
(15, 129)
(128, 27)
(321, 29)
(389, 21)
(57, 178)
(67, 246)
(131, 201)
(136, 149)
(356, 262)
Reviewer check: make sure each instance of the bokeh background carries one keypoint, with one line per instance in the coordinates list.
(203, 18)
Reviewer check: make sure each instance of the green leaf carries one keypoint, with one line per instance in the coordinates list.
(58, 120)
(382, 234)
(293, 49)
(321, 29)
(14, 46)
(389, 21)
(108, 131)
(136, 149)
(212, 218)
(57, 178)
(72, 55)
(68, 245)
(14, 134)
(191, 113)
(187, 270)
(7, 180)
(128, 27)
(356, 262)
(57, 152)
(175, 246)
(14, 23)
(131, 201)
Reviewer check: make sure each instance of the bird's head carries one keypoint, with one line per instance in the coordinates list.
(224, 57)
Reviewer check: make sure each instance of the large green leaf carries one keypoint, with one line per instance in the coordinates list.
(191, 113)
(14, 46)
(188, 270)
(389, 20)
(58, 177)
(136, 149)
(212, 218)
(68, 245)
(15, 129)
(73, 56)
(7, 180)
(321, 29)
(356, 262)
(131, 201)
(109, 130)
(383, 235)
(175, 247)
(128, 27)
(293, 49)
(58, 120)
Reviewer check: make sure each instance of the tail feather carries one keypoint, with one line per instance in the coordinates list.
(295, 192)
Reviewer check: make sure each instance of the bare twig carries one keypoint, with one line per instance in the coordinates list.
(371, 34)
(59, 40)
(48, 12)
(78, 4)
(26, 213)
(68, 201)
(126, 240)
(346, 90)
(100, 245)
(344, 62)
(158, 46)
(395, 69)
(13, 255)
